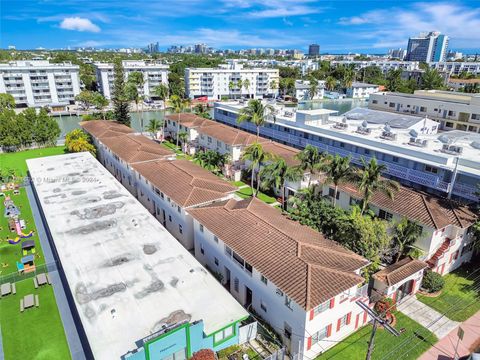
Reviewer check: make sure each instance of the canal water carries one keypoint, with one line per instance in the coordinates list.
(69, 122)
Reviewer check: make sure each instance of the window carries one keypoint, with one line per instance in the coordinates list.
(180, 229)
(423, 109)
(366, 151)
(236, 284)
(288, 302)
(382, 214)
(215, 239)
(264, 280)
(216, 261)
(179, 209)
(391, 105)
(331, 193)
(202, 250)
(279, 292)
(162, 195)
(374, 101)
(201, 228)
(248, 267)
(321, 308)
(344, 296)
(209, 140)
(395, 159)
(431, 169)
(263, 306)
(287, 330)
(320, 335)
(168, 199)
(342, 321)
(228, 251)
(223, 335)
(170, 218)
(354, 201)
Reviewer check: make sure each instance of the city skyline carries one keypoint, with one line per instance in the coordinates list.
(336, 26)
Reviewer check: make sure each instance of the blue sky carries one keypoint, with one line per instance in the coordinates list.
(337, 25)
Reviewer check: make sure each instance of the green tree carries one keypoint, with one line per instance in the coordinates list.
(277, 173)
(405, 235)
(154, 126)
(256, 156)
(202, 111)
(246, 85)
(330, 83)
(120, 99)
(178, 105)
(211, 160)
(370, 180)
(231, 86)
(78, 141)
(431, 80)
(86, 99)
(348, 77)
(7, 101)
(313, 87)
(273, 85)
(338, 171)
(311, 161)
(183, 137)
(394, 80)
(256, 113)
(100, 102)
(136, 78)
(161, 91)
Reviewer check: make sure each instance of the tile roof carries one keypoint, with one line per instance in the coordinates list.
(229, 135)
(286, 152)
(190, 120)
(133, 148)
(105, 128)
(299, 260)
(426, 209)
(399, 271)
(186, 183)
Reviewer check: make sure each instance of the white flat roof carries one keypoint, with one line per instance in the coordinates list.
(127, 274)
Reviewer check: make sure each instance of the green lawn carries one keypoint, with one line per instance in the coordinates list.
(37, 333)
(458, 292)
(247, 192)
(238, 183)
(355, 346)
(16, 160)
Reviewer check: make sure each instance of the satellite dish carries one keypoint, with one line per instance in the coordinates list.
(413, 133)
(387, 128)
(365, 123)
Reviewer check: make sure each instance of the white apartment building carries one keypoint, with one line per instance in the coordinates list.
(453, 110)
(385, 66)
(154, 74)
(446, 241)
(360, 90)
(40, 83)
(225, 81)
(303, 90)
(414, 154)
(456, 68)
(304, 285)
(305, 65)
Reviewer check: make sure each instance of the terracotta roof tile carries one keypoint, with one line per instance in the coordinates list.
(300, 261)
(105, 128)
(286, 152)
(186, 183)
(229, 135)
(426, 209)
(190, 120)
(399, 271)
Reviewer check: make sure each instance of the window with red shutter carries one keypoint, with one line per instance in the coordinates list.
(339, 324)
(309, 343)
(312, 314)
(329, 330)
(349, 318)
(332, 303)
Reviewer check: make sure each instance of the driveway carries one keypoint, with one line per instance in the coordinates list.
(429, 318)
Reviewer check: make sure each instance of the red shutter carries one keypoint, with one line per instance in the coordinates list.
(349, 317)
(364, 317)
(309, 343)
(312, 314)
(329, 330)
(356, 321)
(339, 323)
(332, 303)
(394, 296)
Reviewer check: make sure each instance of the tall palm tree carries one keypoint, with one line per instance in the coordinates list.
(256, 113)
(178, 105)
(138, 80)
(183, 137)
(405, 235)
(153, 126)
(277, 173)
(256, 155)
(310, 160)
(273, 85)
(231, 86)
(162, 92)
(338, 170)
(313, 88)
(370, 180)
(348, 77)
(330, 83)
(246, 85)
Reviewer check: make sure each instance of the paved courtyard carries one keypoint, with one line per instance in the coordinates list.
(426, 316)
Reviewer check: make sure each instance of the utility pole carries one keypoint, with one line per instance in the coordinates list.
(376, 321)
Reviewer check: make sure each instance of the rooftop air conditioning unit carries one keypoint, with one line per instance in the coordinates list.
(456, 149)
(445, 147)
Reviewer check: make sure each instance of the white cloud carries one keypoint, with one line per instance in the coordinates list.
(79, 24)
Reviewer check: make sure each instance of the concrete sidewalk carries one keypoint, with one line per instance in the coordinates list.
(429, 318)
(445, 348)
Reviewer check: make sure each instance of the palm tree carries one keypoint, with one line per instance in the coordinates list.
(277, 173)
(405, 234)
(211, 160)
(153, 126)
(330, 83)
(137, 79)
(246, 85)
(256, 113)
(183, 137)
(338, 170)
(348, 77)
(162, 92)
(273, 85)
(313, 88)
(370, 180)
(178, 105)
(255, 154)
(202, 111)
(310, 160)
(231, 86)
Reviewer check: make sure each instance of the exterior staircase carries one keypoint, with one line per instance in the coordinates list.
(432, 262)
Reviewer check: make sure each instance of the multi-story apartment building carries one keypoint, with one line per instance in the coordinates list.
(453, 110)
(427, 47)
(304, 285)
(313, 50)
(232, 81)
(456, 68)
(414, 154)
(305, 65)
(446, 240)
(134, 291)
(40, 83)
(360, 90)
(154, 74)
(385, 66)
(303, 90)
